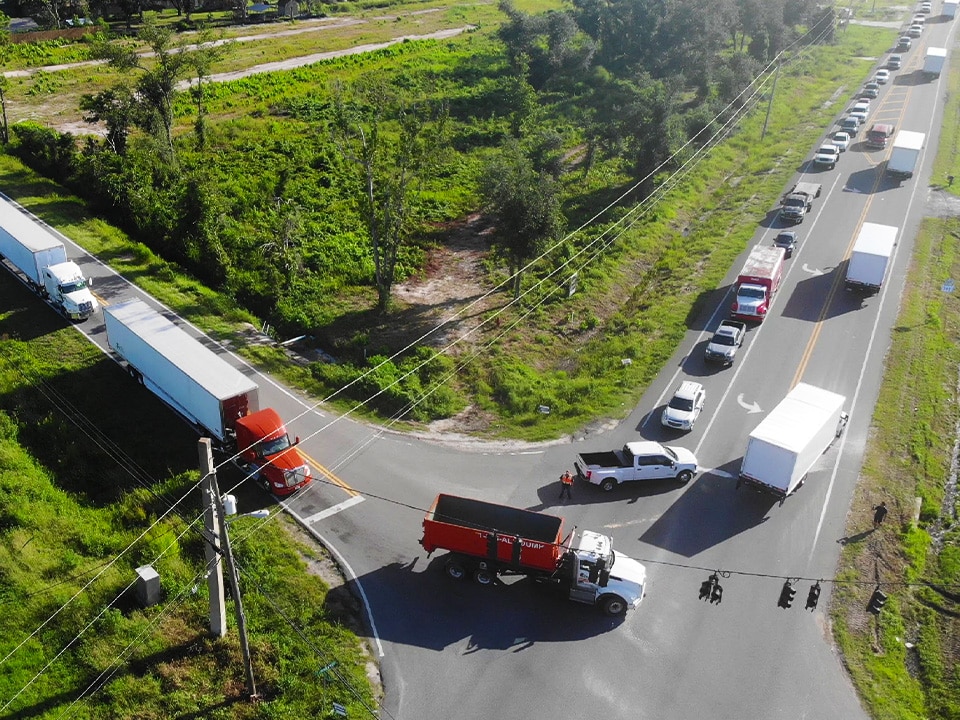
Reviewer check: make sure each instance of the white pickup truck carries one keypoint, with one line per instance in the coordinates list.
(641, 460)
(725, 342)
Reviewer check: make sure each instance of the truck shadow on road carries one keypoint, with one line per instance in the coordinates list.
(711, 511)
(416, 604)
(911, 79)
(806, 300)
(586, 494)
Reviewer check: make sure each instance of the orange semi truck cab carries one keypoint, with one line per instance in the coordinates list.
(265, 451)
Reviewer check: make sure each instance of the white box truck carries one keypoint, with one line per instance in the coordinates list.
(787, 443)
(949, 8)
(905, 154)
(933, 61)
(39, 260)
(870, 258)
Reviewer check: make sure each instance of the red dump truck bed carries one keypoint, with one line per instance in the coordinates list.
(523, 539)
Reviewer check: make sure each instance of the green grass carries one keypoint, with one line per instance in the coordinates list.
(85, 479)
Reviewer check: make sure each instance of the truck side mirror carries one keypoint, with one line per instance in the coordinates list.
(89, 282)
(296, 440)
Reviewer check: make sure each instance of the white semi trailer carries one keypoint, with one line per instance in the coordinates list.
(868, 263)
(39, 260)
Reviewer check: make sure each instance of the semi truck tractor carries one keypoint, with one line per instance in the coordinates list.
(905, 154)
(39, 260)
(786, 444)
(486, 540)
(867, 266)
(758, 283)
(213, 396)
(933, 61)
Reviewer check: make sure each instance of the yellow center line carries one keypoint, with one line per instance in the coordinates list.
(328, 475)
(818, 325)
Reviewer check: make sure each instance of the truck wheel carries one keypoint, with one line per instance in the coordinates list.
(613, 606)
(684, 477)
(455, 570)
(482, 576)
(608, 484)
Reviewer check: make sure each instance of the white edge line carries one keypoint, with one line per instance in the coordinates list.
(876, 324)
(351, 575)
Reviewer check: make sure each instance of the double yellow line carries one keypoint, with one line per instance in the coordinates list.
(330, 477)
(818, 326)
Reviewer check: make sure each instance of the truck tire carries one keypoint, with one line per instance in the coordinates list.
(684, 477)
(483, 576)
(608, 484)
(613, 605)
(455, 569)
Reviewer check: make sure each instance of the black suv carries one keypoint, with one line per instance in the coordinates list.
(787, 240)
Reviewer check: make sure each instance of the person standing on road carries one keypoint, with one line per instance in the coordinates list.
(566, 483)
(879, 513)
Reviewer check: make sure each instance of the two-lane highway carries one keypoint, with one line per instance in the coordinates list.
(452, 650)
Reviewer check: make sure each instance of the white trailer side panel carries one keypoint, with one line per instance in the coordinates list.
(177, 368)
(787, 443)
(27, 244)
(871, 255)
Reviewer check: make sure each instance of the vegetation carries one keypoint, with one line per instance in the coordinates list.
(80, 514)
(905, 662)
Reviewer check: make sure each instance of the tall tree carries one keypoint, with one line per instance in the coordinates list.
(390, 143)
(156, 86)
(525, 206)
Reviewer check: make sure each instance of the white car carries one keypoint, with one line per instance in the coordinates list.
(915, 31)
(883, 75)
(684, 407)
(894, 62)
(926, 7)
(859, 115)
(841, 139)
(827, 156)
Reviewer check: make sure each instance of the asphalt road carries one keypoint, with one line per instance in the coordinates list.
(450, 650)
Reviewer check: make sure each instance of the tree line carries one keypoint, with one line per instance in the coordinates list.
(626, 82)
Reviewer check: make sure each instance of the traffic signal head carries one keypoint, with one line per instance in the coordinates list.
(716, 595)
(710, 589)
(786, 595)
(877, 601)
(813, 597)
(705, 588)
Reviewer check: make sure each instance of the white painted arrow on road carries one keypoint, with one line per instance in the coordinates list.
(812, 271)
(751, 408)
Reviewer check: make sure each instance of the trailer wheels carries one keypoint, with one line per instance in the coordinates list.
(135, 374)
(684, 477)
(608, 485)
(613, 606)
(482, 576)
(455, 570)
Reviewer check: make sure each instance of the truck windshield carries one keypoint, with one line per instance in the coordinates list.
(72, 287)
(671, 453)
(794, 202)
(753, 292)
(723, 339)
(272, 447)
(682, 404)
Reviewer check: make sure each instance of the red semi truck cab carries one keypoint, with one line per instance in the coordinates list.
(265, 451)
(757, 283)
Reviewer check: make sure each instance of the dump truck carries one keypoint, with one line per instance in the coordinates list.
(905, 154)
(786, 444)
(486, 541)
(757, 283)
(870, 258)
(218, 400)
(933, 61)
(799, 201)
(39, 260)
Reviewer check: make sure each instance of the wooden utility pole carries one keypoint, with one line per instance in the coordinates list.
(211, 548)
(223, 545)
(773, 91)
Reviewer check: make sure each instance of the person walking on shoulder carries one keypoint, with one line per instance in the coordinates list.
(879, 513)
(566, 483)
